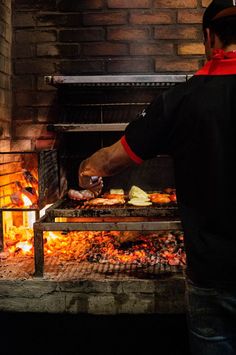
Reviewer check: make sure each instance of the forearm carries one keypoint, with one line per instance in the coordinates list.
(106, 162)
(95, 165)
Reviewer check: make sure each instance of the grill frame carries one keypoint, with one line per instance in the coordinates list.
(47, 223)
(159, 80)
(163, 218)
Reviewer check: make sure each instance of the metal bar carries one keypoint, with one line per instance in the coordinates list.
(1, 232)
(18, 209)
(114, 226)
(73, 127)
(38, 252)
(37, 215)
(112, 104)
(115, 79)
(54, 206)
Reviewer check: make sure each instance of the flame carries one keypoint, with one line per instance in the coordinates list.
(26, 200)
(104, 247)
(24, 246)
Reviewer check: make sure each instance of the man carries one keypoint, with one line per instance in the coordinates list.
(195, 123)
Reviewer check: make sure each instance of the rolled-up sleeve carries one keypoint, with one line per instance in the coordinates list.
(145, 137)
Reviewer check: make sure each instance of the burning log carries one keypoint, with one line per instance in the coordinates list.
(16, 199)
(30, 179)
(24, 196)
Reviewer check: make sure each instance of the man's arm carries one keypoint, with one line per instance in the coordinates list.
(105, 162)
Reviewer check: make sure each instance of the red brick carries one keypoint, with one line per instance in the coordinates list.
(175, 4)
(23, 19)
(48, 114)
(58, 50)
(21, 145)
(5, 96)
(2, 64)
(34, 67)
(5, 145)
(34, 98)
(80, 66)
(82, 35)
(20, 51)
(151, 49)
(127, 34)
(5, 130)
(78, 5)
(5, 13)
(5, 81)
(24, 114)
(176, 65)
(32, 4)
(191, 49)
(5, 112)
(105, 18)
(22, 82)
(32, 131)
(5, 48)
(35, 36)
(5, 65)
(128, 4)
(190, 16)
(7, 33)
(65, 20)
(176, 32)
(41, 144)
(8, 66)
(104, 49)
(152, 18)
(129, 66)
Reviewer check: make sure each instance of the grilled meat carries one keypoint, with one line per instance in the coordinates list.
(105, 201)
(80, 195)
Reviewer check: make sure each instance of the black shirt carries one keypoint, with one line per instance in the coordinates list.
(195, 123)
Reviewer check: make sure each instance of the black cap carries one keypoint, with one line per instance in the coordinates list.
(218, 9)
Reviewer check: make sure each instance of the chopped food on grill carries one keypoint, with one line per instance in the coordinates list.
(111, 196)
(173, 197)
(80, 195)
(136, 192)
(160, 198)
(140, 202)
(138, 197)
(117, 191)
(105, 201)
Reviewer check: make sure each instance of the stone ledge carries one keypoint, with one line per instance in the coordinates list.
(108, 297)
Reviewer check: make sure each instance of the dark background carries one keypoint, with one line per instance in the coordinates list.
(57, 334)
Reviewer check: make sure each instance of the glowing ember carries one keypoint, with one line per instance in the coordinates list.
(103, 247)
(24, 246)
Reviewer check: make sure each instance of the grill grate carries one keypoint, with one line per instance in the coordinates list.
(70, 208)
(72, 270)
(117, 80)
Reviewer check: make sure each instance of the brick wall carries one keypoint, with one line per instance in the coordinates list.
(95, 37)
(5, 74)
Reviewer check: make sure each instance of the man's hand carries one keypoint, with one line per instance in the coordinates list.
(105, 162)
(89, 183)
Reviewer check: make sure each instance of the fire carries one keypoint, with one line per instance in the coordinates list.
(24, 246)
(27, 202)
(103, 247)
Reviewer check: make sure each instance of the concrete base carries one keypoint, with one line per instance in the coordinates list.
(81, 287)
(94, 297)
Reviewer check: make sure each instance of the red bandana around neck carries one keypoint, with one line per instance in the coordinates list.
(222, 63)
